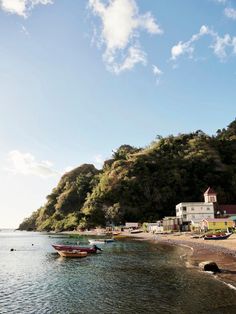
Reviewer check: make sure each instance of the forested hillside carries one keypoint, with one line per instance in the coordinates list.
(142, 184)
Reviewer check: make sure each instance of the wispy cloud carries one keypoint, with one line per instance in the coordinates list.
(24, 30)
(221, 45)
(183, 48)
(221, 1)
(26, 164)
(230, 13)
(120, 32)
(157, 73)
(21, 7)
(99, 161)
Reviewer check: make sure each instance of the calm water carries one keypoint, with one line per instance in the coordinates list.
(128, 277)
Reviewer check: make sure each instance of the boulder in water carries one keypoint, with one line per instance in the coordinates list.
(209, 266)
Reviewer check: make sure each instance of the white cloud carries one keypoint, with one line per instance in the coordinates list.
(187, 47)
(25, 31)
(26, 164)
(120, 29)
(21, 7)
(99, 161)
(134, 56)
(157, 73)
(219, 44)
(230, 13)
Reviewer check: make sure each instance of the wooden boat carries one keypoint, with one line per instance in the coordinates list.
(222, 236)
(121, 236)
(74, 253)
(64, 247)
(115, 233)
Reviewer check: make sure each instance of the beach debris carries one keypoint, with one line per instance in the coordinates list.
(209, 266)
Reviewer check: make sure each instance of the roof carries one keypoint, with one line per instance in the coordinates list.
(210, 191)
(229, 209)
(217, 219)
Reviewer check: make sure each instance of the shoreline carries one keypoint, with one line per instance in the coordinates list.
(222, 252)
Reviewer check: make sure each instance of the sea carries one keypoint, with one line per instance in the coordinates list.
(129, 276)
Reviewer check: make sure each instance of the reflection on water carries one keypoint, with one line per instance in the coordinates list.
(128, 277)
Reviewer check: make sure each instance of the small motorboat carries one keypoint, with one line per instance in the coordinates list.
(64, 247)
(100, 241)
(136, 231)
(221, 236)
(74, 253)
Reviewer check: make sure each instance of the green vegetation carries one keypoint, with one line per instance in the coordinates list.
(142, 184)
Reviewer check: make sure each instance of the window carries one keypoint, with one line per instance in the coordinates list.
(184, 208)
(185, 216)
(192, 208)
(212, 199)
(208, 208)
(193, 216)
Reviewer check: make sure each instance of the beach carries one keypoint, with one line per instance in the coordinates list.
(222, 252)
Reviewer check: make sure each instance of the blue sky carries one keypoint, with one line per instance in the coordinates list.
(80, 78)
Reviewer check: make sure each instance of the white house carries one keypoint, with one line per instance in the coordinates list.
(197, 211)
(155, 227)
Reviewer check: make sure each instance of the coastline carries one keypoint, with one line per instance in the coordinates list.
(222, 252)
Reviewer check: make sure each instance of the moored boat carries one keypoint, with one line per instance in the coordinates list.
(136, 231)
(74, 253)
(221, 236)
(64, 247)
(100, 241)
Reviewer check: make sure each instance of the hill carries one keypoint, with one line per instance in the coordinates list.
(142, 184)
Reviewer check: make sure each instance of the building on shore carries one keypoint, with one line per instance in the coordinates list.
(132, 225)
(217, 224)
(155, 227)
(192, 213)
(171, 224)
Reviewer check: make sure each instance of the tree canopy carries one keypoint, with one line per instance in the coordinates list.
(142, 184)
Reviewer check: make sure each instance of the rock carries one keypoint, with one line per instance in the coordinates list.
(209, 266)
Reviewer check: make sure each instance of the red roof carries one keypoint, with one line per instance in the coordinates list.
(210, 191)
(229, 209)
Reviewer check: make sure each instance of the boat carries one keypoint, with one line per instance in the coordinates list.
(136, 231)
(74, 253)
(221, 236)
(115, 233)
(64, 247)
(100, 241)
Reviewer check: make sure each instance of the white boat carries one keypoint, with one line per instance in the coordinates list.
(100, 241)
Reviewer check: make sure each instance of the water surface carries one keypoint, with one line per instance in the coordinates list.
(128, 277)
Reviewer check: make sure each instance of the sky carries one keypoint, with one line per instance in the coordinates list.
(79, 78)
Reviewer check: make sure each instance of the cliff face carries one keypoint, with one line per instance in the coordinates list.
(142, 184)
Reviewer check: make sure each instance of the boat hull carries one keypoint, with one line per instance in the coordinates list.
(61, 247)
(217, 237)
(74, 254)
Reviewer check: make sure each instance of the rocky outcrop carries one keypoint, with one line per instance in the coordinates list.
(209, 266)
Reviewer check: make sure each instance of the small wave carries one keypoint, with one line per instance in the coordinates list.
(229, 285)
